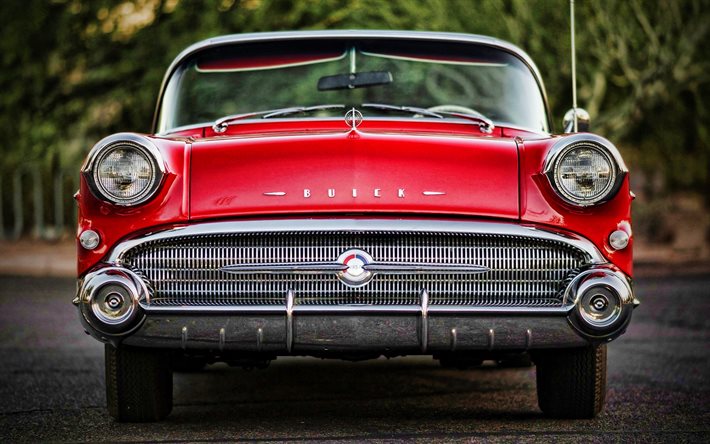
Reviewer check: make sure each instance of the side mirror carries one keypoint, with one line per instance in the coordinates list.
(582, 121)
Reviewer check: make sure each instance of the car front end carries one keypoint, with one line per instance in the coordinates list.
(418, 205)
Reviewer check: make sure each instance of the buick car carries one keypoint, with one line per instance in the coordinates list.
(354, 195)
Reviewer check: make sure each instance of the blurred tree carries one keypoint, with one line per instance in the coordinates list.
(646, 79)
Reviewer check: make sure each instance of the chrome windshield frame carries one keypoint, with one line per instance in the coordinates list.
(235, 39)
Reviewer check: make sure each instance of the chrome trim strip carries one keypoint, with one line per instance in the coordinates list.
(337, 267)
(405, 268)
(454, 309)
(287, 268)
(361, 225)
(334, 309)
(349, 34)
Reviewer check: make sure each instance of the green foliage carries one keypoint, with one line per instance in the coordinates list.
(74, 71)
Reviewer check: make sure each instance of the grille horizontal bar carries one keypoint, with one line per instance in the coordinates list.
(523, 271)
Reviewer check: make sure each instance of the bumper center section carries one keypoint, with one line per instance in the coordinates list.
(340, 333)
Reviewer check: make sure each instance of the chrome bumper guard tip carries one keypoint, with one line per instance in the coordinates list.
(602, 301)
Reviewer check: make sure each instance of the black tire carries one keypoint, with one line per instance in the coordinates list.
(139, 384)
(571, 383)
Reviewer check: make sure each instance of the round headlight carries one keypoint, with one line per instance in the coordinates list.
(584, 173)
(125, 171)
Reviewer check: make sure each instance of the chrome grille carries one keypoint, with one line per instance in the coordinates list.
(524, 271)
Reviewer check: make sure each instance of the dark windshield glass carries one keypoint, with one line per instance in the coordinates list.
(253, 77)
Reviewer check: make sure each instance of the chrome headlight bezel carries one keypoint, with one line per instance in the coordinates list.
(144, 147)
(568, 143)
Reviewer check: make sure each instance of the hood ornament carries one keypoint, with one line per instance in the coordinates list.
(353, 118)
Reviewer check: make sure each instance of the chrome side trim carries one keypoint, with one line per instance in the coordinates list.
(361, 225)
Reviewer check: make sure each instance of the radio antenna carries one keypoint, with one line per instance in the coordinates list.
(574, 67)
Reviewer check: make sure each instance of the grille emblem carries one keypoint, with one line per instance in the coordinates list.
(356, 274)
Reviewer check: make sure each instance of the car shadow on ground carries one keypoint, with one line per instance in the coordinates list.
(391, 390)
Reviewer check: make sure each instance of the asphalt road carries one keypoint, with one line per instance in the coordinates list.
(52, 389)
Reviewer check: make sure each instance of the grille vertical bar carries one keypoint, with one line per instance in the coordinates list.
(524, 271)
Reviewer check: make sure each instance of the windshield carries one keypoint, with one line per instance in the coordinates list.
(445, 76)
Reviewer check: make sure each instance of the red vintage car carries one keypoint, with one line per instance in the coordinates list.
(354, 194)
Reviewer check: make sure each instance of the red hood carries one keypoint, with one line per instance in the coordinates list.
(354, 172)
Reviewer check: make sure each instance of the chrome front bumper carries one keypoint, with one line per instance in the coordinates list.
(306, 333)
(389, 330)
(420, 328)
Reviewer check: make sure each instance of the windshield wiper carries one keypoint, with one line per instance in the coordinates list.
(403, 108)
(220, 125)
(484, 123)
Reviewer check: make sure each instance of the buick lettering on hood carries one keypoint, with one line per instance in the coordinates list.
(352, 195)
